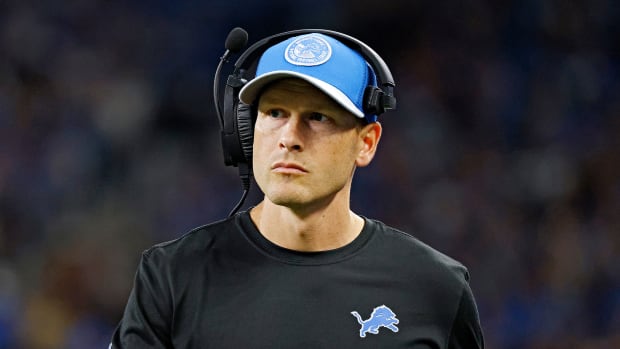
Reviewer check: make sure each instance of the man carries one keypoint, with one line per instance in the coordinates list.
(300, 269)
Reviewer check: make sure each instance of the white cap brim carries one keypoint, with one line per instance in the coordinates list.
(249, 92)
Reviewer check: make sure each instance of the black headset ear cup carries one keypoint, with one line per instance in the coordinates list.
(245, 128)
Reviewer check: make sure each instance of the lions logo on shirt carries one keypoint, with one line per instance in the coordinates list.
(381, 316)
(308, 50)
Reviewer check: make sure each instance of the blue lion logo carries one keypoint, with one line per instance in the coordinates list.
(381, 316)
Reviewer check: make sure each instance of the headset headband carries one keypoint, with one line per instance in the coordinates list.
(381, 69)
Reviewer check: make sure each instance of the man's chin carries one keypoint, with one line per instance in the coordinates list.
(290, 199)
(291, 202)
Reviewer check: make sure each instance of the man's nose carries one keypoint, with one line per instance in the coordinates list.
(291, 136)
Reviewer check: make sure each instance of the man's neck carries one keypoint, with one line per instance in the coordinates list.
(323, 229)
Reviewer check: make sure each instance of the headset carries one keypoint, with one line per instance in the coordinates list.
(237, 118)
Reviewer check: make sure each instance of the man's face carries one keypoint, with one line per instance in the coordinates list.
(306, 146)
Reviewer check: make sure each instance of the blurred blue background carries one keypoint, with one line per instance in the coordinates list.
(503, 153)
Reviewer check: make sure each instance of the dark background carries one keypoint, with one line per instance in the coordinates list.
(503, 153)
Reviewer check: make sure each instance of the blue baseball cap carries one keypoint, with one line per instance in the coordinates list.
(326, 63)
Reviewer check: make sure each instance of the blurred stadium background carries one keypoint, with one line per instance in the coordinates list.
(504, 152)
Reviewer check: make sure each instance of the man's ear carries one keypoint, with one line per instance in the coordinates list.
(369, 139)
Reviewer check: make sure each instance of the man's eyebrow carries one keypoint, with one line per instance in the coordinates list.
(270, 99)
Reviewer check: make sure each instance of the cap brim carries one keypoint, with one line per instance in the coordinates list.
(249, 92)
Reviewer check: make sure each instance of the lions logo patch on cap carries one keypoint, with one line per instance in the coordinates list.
(308, 50)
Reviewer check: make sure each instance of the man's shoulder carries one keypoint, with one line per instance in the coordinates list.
(409, 249)
(195, 241)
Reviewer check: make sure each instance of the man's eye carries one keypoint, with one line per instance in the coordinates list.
(318, 117)
(275, 113)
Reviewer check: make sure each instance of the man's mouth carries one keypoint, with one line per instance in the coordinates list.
(288, 168)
